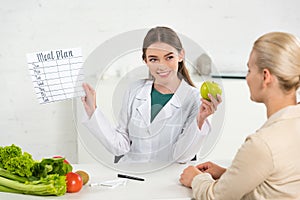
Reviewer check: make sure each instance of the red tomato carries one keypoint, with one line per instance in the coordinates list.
(65, 161)
(74, 182)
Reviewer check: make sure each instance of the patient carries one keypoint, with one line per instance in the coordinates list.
(267, 166)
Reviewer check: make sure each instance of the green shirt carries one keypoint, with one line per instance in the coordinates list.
(158, 101)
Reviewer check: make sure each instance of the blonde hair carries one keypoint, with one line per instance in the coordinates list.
(279, 52)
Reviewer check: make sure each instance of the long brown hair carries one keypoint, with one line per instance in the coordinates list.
(168, 36)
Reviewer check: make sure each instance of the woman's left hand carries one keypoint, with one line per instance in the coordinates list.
(207, 108)
(188, 175)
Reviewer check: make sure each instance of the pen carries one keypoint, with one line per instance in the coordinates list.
(130, 177)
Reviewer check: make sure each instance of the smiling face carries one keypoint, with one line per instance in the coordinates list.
(162, 60)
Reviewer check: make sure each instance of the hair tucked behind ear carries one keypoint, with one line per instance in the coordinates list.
(280, 53)
(168, 36)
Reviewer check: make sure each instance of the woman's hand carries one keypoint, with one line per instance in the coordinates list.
(89, 101)
(214, 170)
(188, 175)
(207, 108)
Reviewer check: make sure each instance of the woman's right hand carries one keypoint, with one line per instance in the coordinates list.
(207, 108)
(89, 101)
(214, 170)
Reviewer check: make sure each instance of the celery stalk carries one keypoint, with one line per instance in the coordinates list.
(7, 174)
(31, 187)
(6, 189)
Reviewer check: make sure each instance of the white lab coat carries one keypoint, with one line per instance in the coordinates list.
(173, 135)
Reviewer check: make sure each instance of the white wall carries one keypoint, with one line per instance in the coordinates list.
(225, 29)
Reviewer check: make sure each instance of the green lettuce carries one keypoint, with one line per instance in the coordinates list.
(20, 173)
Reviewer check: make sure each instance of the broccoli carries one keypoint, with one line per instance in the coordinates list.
(51, 166)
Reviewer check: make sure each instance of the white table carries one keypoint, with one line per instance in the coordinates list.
(159, 184)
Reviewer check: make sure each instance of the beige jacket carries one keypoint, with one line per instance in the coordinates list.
(267, 166)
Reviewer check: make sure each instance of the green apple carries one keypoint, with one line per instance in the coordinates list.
(210, 87)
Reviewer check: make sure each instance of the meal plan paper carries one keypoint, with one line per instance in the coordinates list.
(56, 74)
